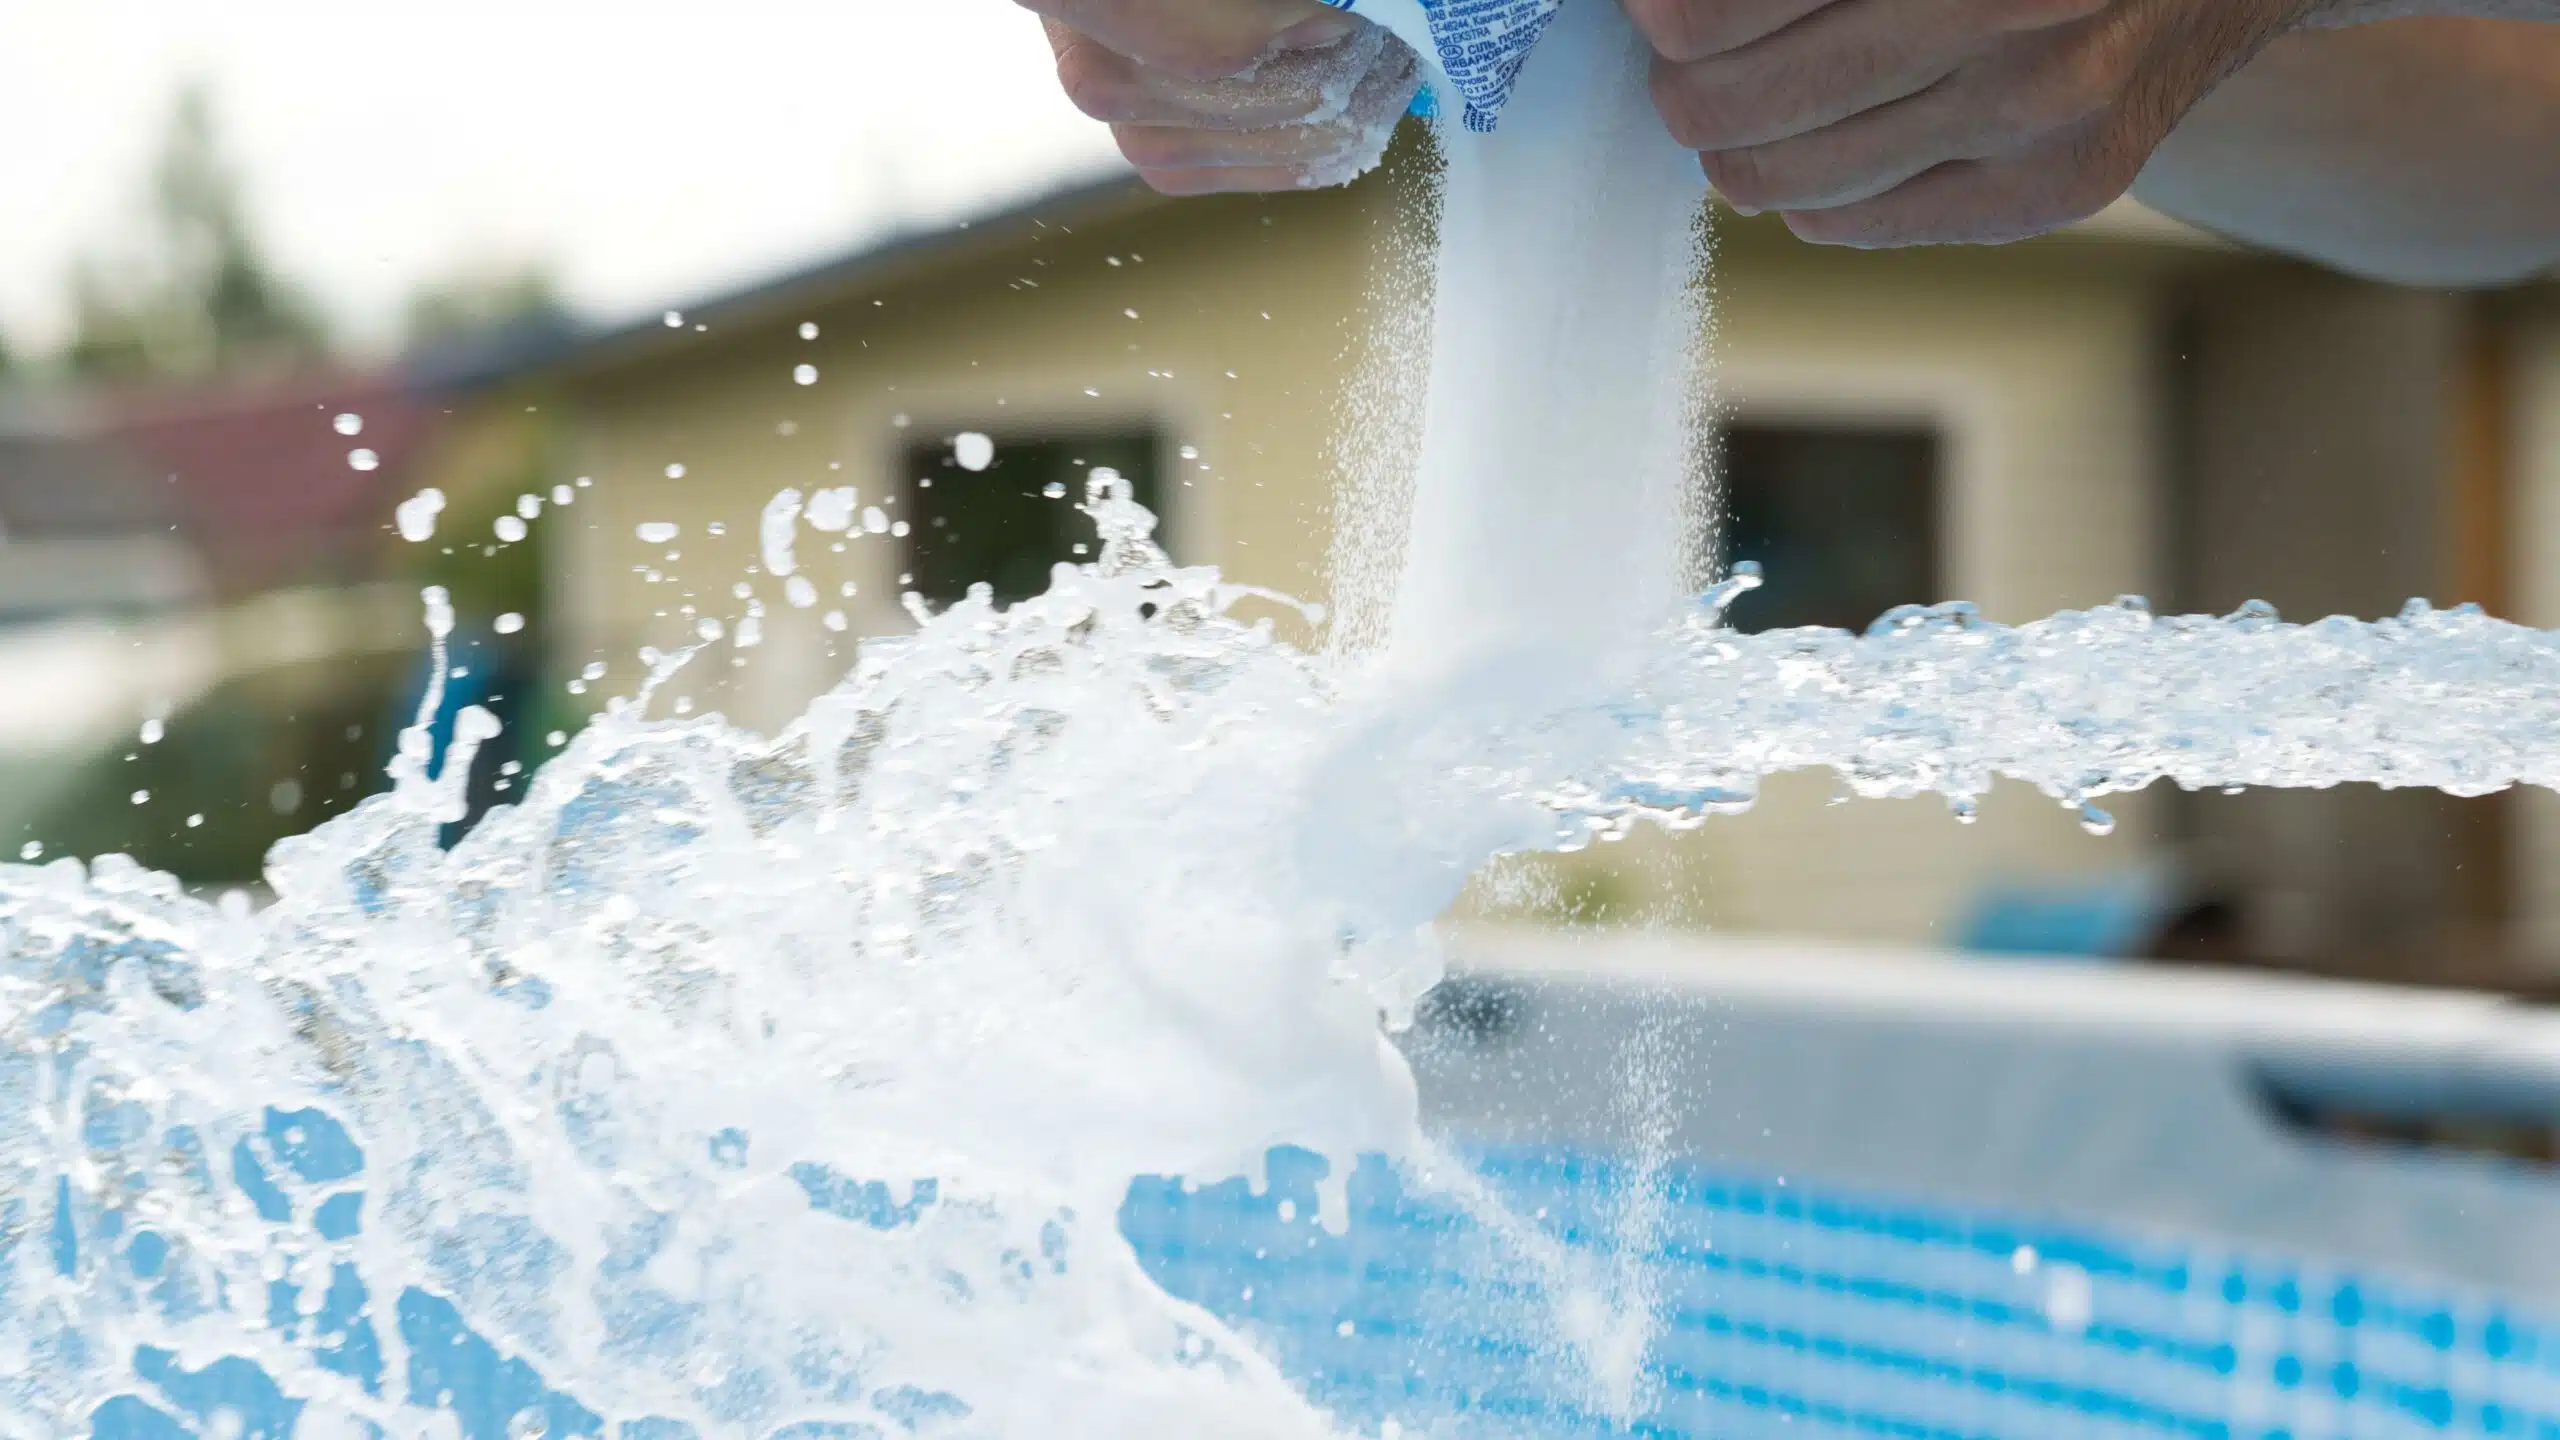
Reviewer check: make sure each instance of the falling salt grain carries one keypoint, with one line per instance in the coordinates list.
(973, 451)
(363, 460)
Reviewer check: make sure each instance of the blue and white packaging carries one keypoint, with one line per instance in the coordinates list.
(1476, 46)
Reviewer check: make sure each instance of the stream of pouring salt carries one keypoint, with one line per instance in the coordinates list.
(734, 1085)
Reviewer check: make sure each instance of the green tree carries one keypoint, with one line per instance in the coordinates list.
(201, 296)
(481, 300)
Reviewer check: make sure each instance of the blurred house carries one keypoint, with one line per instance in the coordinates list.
(2129, 407)
(214, 560)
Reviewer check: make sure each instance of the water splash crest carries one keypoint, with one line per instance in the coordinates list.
(746, 1086)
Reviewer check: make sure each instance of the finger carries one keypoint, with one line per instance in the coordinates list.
(1227, 180)
(1858, 159)
(1290, 88)
(1848, 58)
(1683, 31)
(1197, 39)
(1985, 202)
(1153, 148)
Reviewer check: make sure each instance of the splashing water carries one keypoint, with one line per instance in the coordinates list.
(758, 1083)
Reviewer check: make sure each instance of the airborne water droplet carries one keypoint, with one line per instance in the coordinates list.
(349, 424)
(509, 623)
(363, 460)
(804, 374)
(658, 532)
(511, 528)
(153, 729)
(808, 329)
(973, 450)
(1055, 490)
(2096, 821)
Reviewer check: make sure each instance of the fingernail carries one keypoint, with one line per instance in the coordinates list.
(1316, 34)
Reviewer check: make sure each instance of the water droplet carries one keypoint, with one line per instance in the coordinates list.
(562, 495)
(511, 528)
(529, 506)
(676, 471)
(675, 319)
(875, 520)
(528, 1424)
(804, 374)
(973, 450)
(834, 620)
(1346, 1329)
(1190, 452)
(1055, 490)
(2096, 821)
(153, 729)
(717, 527)
(416, 516)
(195, 822)
(285, 796)
(509, 623)
(1132, 314)
(801, 593)
(808, 329)
(31, 850)
(594, 671)
(832, 510)
(709, 629)
(848, 589)
(349, 424)
(363, 460)
(556, 739)
(658, 532)
(586, 481)
(141, 797)
(898, 529)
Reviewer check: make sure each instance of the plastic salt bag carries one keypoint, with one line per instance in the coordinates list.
(1477, 46)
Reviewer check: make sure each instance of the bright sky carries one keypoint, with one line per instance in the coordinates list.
(652, 150)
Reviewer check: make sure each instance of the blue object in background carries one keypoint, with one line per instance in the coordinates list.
(2114, 917)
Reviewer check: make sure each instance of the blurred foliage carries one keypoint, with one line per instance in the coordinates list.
(200, 295)
(261, 757)
(484, 300)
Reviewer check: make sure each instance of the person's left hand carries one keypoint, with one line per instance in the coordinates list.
(1911, 122)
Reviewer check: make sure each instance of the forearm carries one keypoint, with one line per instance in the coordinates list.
(2425, 150)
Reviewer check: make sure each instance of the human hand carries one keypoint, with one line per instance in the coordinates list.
(1233, 95)
(1910, 122)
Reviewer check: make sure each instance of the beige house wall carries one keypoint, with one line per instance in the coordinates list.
(2536, 400)
(2036, 364)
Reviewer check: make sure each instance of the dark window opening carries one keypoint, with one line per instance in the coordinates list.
(1008, 524)
(1843, 520)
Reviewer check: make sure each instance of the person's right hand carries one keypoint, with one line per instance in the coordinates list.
(1233, 95)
